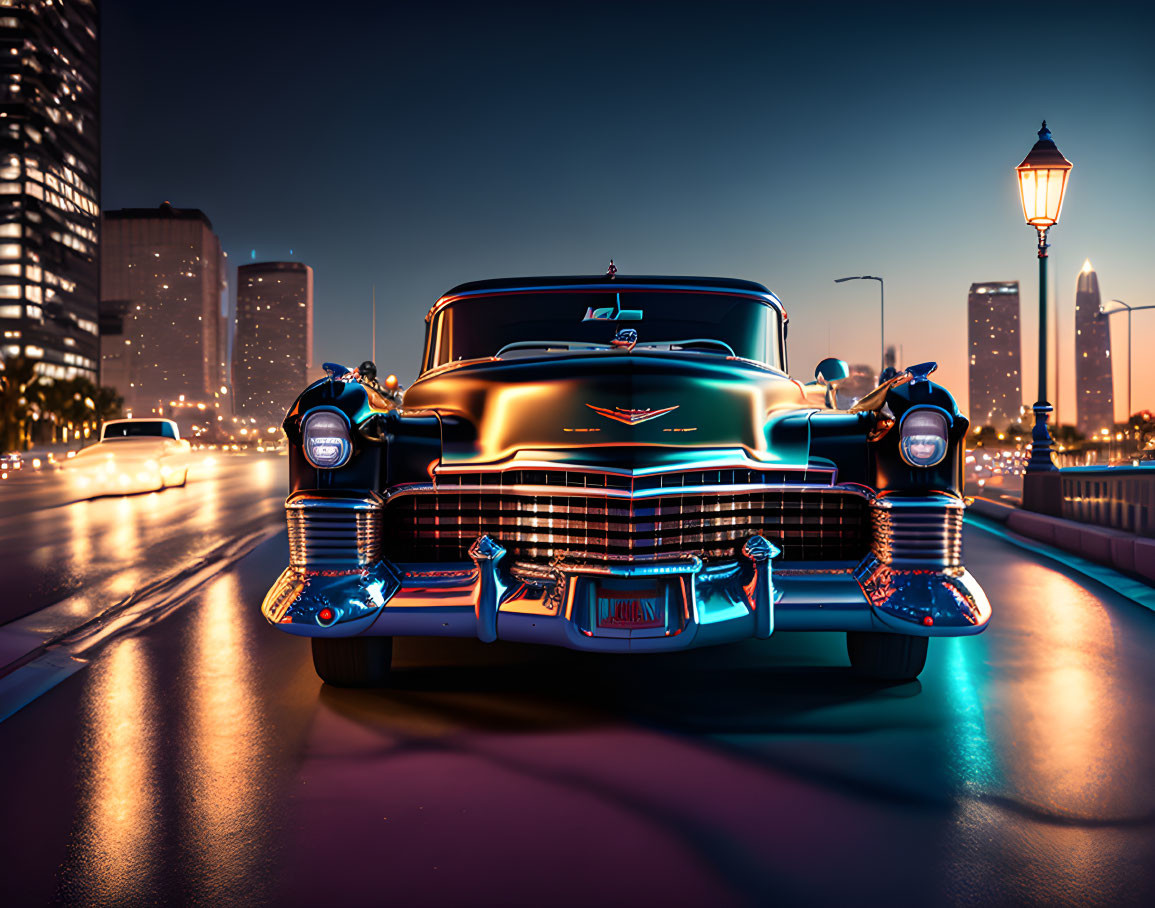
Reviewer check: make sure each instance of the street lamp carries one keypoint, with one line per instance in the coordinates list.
(881, 314)
(1105, 312)
(1042, 182)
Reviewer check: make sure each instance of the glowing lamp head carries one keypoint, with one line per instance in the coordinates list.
(1043, 181)
(391, 382)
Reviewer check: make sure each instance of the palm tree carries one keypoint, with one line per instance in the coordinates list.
(20, 398)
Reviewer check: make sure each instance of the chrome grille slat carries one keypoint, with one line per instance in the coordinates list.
(809, 523)
(919, 535)
(334, 535)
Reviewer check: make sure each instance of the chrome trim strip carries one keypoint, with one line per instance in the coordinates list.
(669, 492)
(656, 470)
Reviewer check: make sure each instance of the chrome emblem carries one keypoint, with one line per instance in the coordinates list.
(631, 417)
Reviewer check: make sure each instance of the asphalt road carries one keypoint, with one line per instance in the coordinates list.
(196, 759)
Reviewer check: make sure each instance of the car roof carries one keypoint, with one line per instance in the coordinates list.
(109, 422)
(604, 282)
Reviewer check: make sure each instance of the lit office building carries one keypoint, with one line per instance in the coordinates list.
(995, 349)
(49, 186)
(1093, 375)
(274, 340)
(162, 277)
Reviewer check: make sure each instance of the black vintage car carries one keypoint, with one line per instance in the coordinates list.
(621, 464)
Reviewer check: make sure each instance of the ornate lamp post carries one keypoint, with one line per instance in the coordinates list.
(1042, 183)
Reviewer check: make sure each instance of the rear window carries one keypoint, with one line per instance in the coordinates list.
(143, 429)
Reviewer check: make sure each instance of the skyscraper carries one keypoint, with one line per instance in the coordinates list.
(162, 276)
(274, 341)
(1093, 375)
(995, 348)
(49, 185)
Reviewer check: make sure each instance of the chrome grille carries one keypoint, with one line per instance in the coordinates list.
(918, 534)
(808, 524)
(333, 533)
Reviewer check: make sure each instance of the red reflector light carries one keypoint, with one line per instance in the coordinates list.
(928, 621)
(325, 615)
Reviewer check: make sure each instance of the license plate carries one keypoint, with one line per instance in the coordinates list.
(631, 609)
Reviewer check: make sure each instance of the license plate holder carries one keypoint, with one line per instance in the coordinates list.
(633, 607)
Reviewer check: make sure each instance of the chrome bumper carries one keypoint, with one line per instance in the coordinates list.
(489, 599)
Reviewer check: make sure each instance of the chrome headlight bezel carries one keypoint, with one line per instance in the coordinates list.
(324, 428)
(924, 426)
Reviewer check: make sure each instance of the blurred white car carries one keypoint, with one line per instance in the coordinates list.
(133, 455)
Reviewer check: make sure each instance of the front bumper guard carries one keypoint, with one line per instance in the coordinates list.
(491, 599)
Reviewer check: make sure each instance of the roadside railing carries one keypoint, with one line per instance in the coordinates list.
(1122, 498)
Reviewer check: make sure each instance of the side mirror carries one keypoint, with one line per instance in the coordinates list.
(831, 370)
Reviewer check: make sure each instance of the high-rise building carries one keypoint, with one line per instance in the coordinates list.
(162, 276)
(49, 185)
(274, 340)
(995, 348)
(1093, 375)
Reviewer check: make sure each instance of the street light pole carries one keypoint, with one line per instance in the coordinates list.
(881, 314)
(1106, 313)
(1042, 183)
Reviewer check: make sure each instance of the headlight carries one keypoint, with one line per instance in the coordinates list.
(327, 441)
(922, 437)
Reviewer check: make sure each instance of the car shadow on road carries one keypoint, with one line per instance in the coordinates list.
(740, 689)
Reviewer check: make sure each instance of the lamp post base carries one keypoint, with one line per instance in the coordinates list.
(1042, 448)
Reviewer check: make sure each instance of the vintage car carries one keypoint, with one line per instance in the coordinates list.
(621, 464)
(132, 456)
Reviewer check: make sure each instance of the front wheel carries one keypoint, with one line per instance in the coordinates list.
(353, 661)
(888, 657)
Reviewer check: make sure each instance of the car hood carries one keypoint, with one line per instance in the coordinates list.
(615, 405)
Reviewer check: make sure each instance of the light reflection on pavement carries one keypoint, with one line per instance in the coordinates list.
(105, 548)
(209, 762)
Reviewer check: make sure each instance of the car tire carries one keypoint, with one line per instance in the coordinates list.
(353, 661)
(887, 657)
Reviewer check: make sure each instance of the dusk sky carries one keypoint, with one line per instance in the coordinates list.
(413, 148)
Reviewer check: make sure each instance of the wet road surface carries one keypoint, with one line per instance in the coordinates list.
(200, 761)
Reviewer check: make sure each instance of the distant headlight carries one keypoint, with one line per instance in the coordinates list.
(327, 441)
(922, 437)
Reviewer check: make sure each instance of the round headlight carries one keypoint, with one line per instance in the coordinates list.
(327, 441)
(923, 438)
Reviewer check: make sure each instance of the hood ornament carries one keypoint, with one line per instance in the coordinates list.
(612, 270)
(631, 417)
(625, 337)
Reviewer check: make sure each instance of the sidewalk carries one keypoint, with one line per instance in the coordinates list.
(1123, 552)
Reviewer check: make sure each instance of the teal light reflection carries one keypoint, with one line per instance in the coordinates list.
(974, 764)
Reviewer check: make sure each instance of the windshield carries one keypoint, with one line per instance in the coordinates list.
(145, 429)
(522, 323)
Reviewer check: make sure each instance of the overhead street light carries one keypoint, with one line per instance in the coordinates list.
(881, 314)
(1105, 313)
(1042, 184)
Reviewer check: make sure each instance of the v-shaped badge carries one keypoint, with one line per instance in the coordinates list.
(631, 417)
